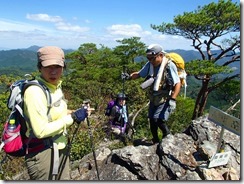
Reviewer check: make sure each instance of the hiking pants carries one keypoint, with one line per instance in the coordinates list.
(158, 115)
(154, 125)
(40, 165)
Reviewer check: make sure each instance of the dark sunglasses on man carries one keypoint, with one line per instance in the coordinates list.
(152, 57)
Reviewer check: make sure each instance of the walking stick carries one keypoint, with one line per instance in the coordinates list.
(62, 164)
(86, 104)
(92, 146)
(63, 161)
(123, 91)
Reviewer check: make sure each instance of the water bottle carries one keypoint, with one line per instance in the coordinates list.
(11, 125)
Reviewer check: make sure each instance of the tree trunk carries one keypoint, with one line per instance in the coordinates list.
(201, 100)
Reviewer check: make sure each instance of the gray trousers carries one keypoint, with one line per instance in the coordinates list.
(40, 165)
(158, 116)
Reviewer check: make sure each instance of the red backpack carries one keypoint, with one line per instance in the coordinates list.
(15, 142)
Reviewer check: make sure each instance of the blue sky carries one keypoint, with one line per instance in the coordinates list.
(70, 23)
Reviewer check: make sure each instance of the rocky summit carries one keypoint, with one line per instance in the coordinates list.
(183, 156)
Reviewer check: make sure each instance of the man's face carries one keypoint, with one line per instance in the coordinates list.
(155, 59)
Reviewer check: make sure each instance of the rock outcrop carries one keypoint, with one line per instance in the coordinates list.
(183, 156)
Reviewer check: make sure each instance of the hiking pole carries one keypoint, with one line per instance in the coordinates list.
(123, 84)
(86, 104)
(124, 105)
(62, 164)
(123, 92)
(92, 146)
(132, 128)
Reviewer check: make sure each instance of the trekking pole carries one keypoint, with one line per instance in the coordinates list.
(92, 146)
(130, 125)
(86, 104)
(63, 161)
(123, 92)
(123, 89)
(123, 83)
(62, 164)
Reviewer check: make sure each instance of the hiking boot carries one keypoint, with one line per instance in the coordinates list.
(155, 141)
(164, 128)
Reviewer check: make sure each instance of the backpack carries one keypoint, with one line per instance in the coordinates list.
(15, 143)
(180, 64)
(109, 107)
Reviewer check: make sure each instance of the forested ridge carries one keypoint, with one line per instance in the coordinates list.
(24, 60)
(18, 62)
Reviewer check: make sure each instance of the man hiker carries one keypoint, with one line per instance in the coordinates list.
(164, 85)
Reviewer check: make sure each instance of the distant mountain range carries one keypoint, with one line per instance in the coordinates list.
(20, 59)
(26, 60)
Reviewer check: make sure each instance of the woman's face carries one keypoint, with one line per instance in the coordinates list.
(121, 101)
(52, 73)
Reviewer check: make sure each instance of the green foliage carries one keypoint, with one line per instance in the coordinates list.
(116, 145)
(85, 140)
(204, 67)
(4, 111)
(213, 19)
(80, 146)
(230, 93)
(10, 167)
(181, 118)
(130, 49)
(142, 126)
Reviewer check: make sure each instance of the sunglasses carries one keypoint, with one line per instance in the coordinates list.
(152, 57)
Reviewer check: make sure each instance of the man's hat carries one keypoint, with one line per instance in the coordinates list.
(154, 49)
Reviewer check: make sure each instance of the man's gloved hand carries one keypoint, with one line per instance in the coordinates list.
(125, 76)
(79, 115)
(172, 104)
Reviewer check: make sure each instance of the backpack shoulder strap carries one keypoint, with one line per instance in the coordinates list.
(44, 89)
(151, 70)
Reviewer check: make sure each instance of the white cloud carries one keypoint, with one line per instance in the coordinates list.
(68, 27)
(59, 23)
(126, 30)
(44, 17)
(119, 32)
